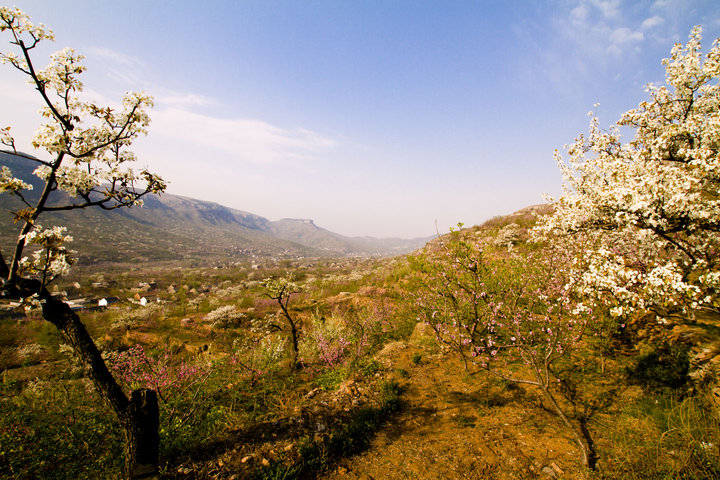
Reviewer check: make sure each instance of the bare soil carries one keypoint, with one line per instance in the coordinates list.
(452, 426)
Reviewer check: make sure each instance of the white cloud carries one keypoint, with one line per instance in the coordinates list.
(623, 35)
(609, 8)
(579, 15)
(247, 140)
(652, 22)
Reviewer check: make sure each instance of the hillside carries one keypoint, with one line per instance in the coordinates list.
(377, 397)
(172, 227)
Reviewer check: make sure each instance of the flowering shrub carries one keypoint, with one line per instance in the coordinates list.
(329, 340)
(280, 290)
(187, 392)
(136, 369)
(511, 316)
(254, 358)
(224, 317)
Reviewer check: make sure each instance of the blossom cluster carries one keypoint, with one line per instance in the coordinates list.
(52, 258)
(8, 183)
(650, 206)
(137, 369)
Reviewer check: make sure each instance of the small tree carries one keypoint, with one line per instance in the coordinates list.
(651, 205)
(88, 157)
(509, 315)
(280, 290)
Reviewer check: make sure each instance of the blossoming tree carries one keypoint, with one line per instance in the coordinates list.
(86, 166)
(651, 206)
(281, 289)
(509, 314)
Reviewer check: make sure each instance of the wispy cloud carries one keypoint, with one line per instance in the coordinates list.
(600, 28)
(119, 67)
(623, 35)
(248, 140)
(652, 22)
(181, 100)
(579, 46)
(113, 56)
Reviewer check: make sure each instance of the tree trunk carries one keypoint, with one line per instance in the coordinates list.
(139, 415)
(581, 433)
(295, 348)
(142, 440)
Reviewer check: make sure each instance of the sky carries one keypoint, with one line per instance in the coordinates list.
(388, 118)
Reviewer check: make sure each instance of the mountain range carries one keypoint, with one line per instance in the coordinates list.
(173, 227)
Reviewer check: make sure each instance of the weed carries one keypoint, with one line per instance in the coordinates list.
(317, 455)
(55, 431)
(330, 379)
(465, 421)
(371, 367)
(663, 437)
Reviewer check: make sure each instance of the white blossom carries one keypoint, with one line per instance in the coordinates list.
(650, 205)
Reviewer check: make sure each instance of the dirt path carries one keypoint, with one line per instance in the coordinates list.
(456, 427)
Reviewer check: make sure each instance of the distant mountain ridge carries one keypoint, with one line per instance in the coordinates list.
(174, 227)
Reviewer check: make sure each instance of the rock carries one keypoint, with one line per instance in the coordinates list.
(312, 392)
(246, 459)
(347, 388)
(265, 462)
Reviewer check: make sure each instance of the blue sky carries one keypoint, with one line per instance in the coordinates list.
(379, 118)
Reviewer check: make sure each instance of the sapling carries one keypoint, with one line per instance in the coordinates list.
(506, 314)
(280, 290)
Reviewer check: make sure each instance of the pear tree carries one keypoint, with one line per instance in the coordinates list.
(86, 163)
(649, 207)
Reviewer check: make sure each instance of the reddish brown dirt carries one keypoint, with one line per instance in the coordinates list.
(452, 426)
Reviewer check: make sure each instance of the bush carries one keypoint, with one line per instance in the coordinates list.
(224, 317)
